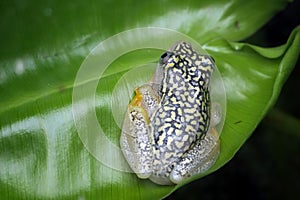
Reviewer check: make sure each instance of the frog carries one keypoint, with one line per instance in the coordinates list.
(169, 130)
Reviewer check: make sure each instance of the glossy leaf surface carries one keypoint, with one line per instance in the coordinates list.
(43, 46)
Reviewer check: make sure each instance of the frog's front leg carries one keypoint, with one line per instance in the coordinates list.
(200, 157)
(136, 138)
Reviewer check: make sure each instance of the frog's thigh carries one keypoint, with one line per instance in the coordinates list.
(136, 142)
(199, 158)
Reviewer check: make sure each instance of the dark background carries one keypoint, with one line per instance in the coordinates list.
(268, 164)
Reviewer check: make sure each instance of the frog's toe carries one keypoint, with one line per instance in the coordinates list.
(176, 177)
(144, 175)
(160, 179)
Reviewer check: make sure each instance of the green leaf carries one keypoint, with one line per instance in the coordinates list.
(253, 78)
(43, 45)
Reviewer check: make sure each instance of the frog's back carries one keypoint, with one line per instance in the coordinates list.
(184, 112)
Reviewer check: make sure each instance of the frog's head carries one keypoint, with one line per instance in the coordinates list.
(185, 64)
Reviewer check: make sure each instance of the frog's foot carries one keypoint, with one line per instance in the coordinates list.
(160, 179)
(198, 159)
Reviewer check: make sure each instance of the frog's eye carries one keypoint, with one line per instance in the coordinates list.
(165, 57)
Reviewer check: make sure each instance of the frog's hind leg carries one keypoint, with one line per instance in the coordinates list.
(199, 158)
(136, 142)
(136, 138)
